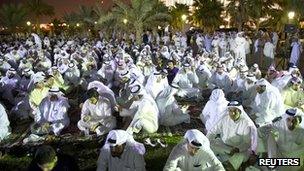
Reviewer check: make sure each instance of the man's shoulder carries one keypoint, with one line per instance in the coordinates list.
(137, 149)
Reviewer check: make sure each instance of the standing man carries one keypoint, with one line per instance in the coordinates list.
(295, 52)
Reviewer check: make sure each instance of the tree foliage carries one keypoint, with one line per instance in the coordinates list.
(13, 15)
(176, 12)
(207, 14)
(139, 14)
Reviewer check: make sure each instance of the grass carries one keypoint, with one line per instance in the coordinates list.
(87, 153)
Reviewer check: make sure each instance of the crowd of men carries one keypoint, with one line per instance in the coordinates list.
(119, 84)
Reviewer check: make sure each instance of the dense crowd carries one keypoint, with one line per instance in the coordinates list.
(125, 89)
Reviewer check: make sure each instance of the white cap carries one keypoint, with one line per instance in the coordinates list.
(135, 89)
(197, 139)
(117, 137)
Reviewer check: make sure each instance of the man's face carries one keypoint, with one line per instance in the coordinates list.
(124, 79)
(249, 82)
(261, 89)
(192, 150)
(186, 69)
(159, 61)
(170, 65)
(295, 86)
(93, 100)
(117, 150)
(48, 166)
(11, 75)
(219, 70)
(54, 97)
(234, 113)
(293, 122)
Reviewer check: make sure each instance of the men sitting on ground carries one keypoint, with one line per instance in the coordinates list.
(4, 123)
(193, 153)
(52, 114)
(121, 152)
(293, 95)
(268, 103)
(234, 137)
(214, 109)
(284, 137)
(96, 114)
(143, 110)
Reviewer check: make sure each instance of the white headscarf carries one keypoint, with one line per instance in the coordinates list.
(121, 137)
(198, 137)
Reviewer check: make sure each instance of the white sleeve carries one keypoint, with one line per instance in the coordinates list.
(172, 161)
(84, 111)
(102, 162)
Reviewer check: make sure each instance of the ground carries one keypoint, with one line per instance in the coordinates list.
(17, 156)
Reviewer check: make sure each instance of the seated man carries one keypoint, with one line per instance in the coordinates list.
(221, 79)
(284, 138)
(4, 123)
(9, 84)
(268, 103)
(193, 153)
(46, 159)
(214, 109)
(186, 78)
(52, 114)
(234, 138)
(121, 152)
(169, 111)
(143, 110)
(156, 82)
(293, 96)
(96, 114)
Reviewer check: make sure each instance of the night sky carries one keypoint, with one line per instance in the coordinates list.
(62, 6)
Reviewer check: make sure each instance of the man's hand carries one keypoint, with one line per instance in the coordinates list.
(252, 159)
(86, 118)
(45, 127)
(234, 150)
(94, 127)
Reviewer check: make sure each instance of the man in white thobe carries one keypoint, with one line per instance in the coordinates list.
(121, 153)
(221, 79)
(52, 114)
(96, 114)
(240, 51)
(72, 75)
(143, 110)
(9, 84)
(186, 78)
(5, 129)
(193, 153)
(156, 82)
(295, 52)
(268, 103)
(210, 114)
(284, 138)
(293, 95)
(268, 53)
(234, 137)
(169, 111)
